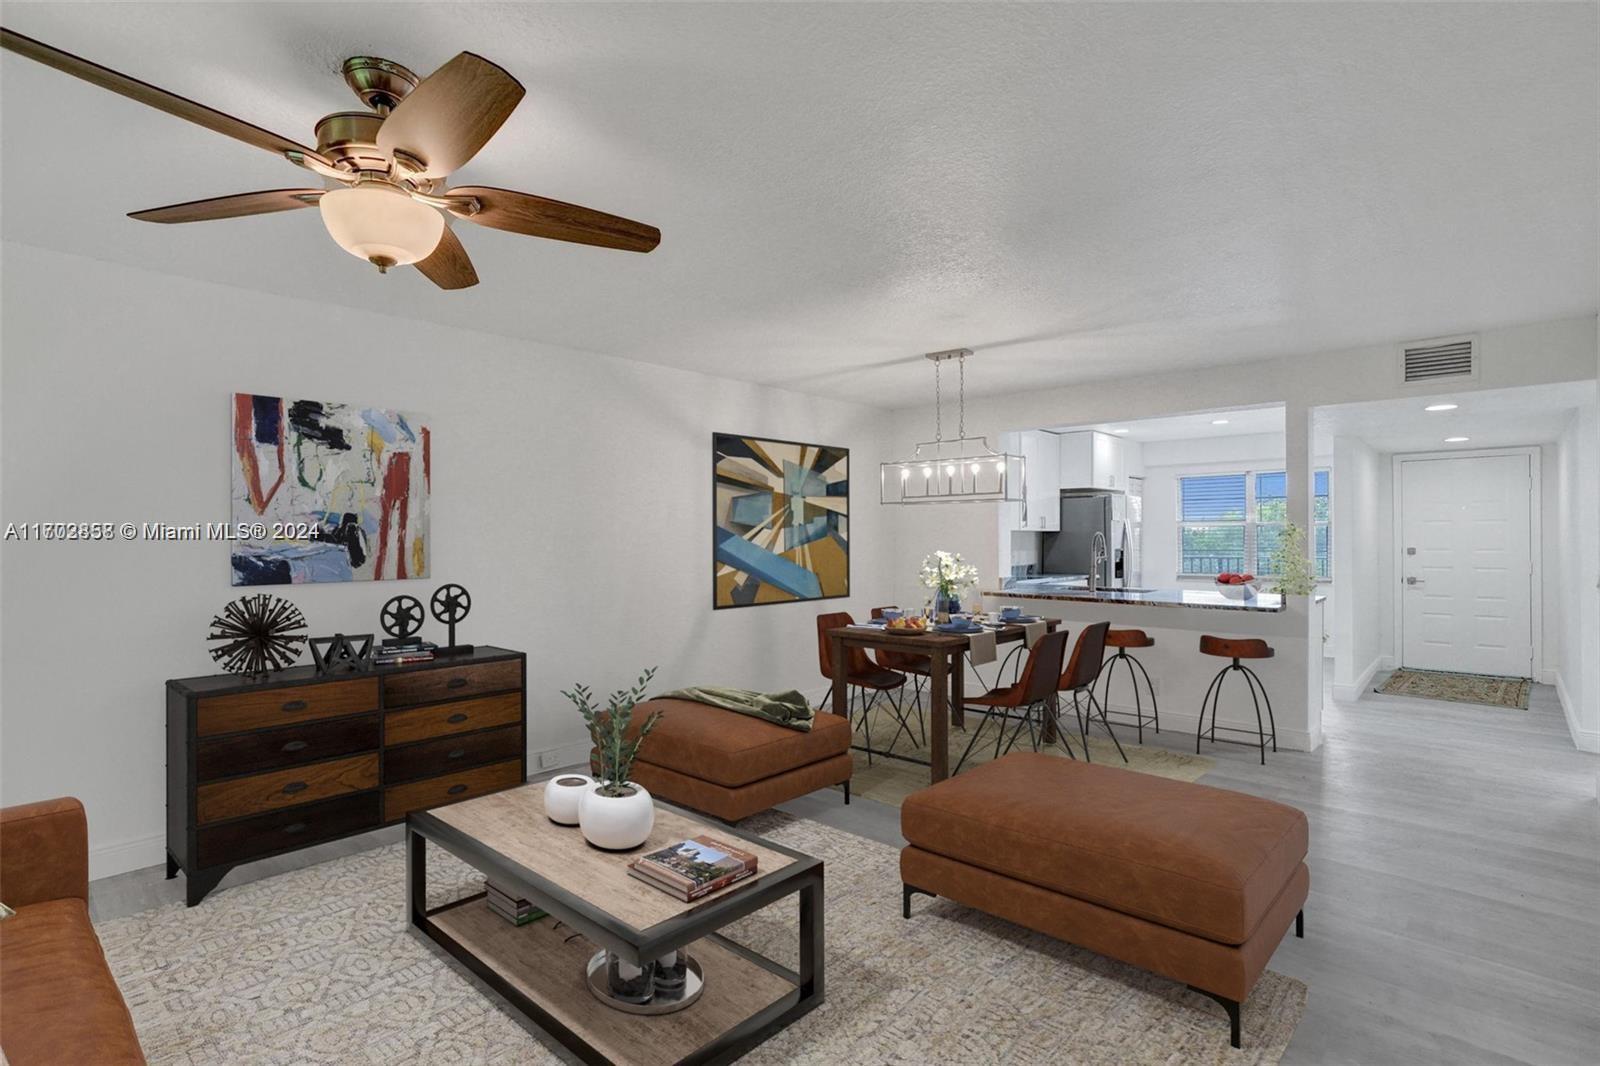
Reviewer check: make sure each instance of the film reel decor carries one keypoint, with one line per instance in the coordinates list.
(260, 632)
(401, 617)
(450, 604)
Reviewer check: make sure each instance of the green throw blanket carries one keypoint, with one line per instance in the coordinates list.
(789, 709)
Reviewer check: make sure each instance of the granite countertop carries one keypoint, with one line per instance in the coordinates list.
(1205, 599)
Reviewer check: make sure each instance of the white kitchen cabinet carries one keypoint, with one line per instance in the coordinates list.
(1041, 460)
(1093, 460)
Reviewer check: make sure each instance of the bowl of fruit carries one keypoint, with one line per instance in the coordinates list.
(1238, 586)
(907, 625)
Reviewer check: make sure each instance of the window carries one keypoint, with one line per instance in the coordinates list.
(1234, 522)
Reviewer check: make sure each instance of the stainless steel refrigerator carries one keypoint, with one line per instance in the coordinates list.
(1085, 512)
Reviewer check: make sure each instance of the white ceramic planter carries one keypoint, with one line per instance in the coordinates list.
(561, 795)
(616, 823)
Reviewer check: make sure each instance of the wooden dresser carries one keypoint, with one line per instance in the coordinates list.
(258, 768)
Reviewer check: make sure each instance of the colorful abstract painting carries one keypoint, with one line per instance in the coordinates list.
(782, 529)
(340, 492)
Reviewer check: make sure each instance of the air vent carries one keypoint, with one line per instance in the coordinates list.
(1424, 362)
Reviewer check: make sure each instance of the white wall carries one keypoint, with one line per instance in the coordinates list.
(571, 495)
(1577, 516)
(1362, 542)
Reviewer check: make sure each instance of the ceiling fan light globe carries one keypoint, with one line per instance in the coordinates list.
(380, 223)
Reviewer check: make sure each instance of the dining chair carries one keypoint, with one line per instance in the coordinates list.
(1079, 678)
(919, 668)
(866, 680)
(1034, 691)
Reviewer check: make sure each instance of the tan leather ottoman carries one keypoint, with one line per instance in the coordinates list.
(732, 765)
(1198, 884)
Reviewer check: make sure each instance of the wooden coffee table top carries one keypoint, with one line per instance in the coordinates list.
(513, 825)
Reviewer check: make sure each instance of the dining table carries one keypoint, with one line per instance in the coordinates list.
(946, 653)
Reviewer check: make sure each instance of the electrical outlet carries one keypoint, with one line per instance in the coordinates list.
(547, 759)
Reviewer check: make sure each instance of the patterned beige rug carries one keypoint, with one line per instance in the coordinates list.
(319, 966)
(892, 780)
(1485, 689)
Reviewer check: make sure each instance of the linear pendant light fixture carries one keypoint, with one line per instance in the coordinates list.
(962, 470)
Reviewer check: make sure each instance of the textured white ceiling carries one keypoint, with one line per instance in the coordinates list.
(1200, 425)
(1075, 191)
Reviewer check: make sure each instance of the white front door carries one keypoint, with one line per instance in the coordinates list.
(1466, 564)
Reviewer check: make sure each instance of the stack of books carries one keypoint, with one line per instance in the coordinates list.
(408, 650)
(513, 909)
(693, 868)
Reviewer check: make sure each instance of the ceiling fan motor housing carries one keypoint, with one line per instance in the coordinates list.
(381, 83)
(350, 140)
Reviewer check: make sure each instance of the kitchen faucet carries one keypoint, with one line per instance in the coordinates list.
(1099, 555)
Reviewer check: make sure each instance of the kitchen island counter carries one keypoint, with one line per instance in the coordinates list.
(1204, 599)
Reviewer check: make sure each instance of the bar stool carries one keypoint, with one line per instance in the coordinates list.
(1122, 640)
(1237, 648)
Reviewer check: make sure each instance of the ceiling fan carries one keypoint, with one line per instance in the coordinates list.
(386, 200)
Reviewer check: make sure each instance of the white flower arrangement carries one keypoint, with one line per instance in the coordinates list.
(948, 574)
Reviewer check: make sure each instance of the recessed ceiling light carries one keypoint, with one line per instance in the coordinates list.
(1119, 431)
(1441, 407)
(1219, 421)
(1456, 440)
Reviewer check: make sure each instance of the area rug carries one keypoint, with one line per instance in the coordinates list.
(319, 966)
(1486, 689)
(890, 780)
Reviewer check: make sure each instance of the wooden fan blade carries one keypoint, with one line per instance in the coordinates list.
(445, 120)
(448, 266)
(536, 216)
(148, 94)
(245, 203)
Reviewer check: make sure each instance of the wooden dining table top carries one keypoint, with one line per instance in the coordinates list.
(930, 640)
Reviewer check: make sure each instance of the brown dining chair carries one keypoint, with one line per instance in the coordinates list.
(864, 680)
(1079, 678)
(919, 668)
(1034, 695)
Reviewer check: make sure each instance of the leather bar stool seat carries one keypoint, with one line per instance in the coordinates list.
(1237, 649)
(1129, 638)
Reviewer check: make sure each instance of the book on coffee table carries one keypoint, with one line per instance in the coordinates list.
(695, 867)
(513, 909)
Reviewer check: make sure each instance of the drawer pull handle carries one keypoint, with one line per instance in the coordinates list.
(297, 827)
(295, 745)
(295, 705)
(458, 717)
(456, 790)
(457, 753)
(456, 682)
(294, 786)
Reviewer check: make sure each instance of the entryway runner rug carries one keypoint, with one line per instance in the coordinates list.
(1488, 690)
(890, 780)
(319, 966)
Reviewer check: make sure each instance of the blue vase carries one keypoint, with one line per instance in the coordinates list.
(949, 605)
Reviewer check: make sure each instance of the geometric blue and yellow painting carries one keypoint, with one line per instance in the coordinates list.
(782, 526)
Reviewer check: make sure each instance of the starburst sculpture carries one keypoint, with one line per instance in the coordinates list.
(261, 634)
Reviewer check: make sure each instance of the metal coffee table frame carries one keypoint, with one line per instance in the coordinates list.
(803, 877)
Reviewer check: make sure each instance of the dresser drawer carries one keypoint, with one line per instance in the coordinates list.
(450, 754)
(461, 716)
(284, 788)
(296, 827)
(269, 749)
(437, 791)
(446, 683)
(285, 706)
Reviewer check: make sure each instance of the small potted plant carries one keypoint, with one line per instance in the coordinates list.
(948, 575)
(617, 814)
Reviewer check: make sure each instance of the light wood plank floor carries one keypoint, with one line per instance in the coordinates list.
(1455, 880)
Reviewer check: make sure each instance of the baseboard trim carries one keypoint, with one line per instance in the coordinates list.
(1362, 685)
(1582, 739)
(106, 860)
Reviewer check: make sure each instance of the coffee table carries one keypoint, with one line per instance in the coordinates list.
(540, 968)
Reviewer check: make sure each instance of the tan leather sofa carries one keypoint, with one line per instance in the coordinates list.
(1198, 884)
(58, 1001)
(732, 765)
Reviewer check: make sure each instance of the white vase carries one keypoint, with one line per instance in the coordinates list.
(561, 796)
(616, 823)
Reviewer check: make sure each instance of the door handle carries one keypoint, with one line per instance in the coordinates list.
(1415, 581)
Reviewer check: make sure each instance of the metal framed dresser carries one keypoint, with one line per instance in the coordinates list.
(259, 768)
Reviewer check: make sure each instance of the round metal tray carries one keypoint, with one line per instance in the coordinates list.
(694, 983)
